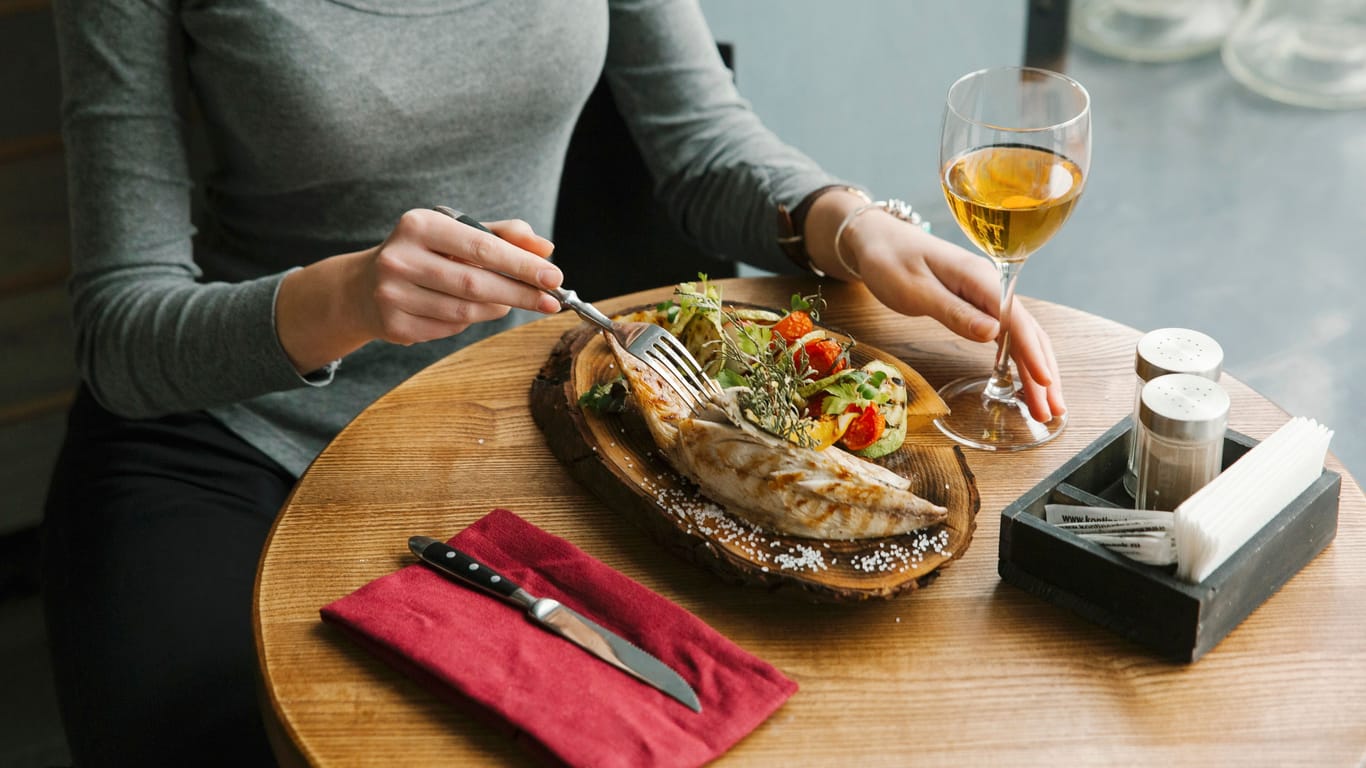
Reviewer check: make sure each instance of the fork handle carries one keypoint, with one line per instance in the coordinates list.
(584, 309)
(567, 298)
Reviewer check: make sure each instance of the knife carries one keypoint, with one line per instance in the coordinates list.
(557, 618)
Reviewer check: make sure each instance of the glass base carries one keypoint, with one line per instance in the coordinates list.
(981, 422)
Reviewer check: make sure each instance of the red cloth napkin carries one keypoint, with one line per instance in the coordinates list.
(569, 703)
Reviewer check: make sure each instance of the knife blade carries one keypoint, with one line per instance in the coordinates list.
(555, 617)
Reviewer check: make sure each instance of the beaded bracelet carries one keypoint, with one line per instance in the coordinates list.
(898, 208)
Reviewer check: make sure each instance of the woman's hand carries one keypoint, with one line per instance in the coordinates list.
(431, 278)
(916, 273)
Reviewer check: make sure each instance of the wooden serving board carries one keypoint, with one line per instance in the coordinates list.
(614, 456)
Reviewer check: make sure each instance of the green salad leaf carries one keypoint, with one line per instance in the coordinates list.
(607, 397)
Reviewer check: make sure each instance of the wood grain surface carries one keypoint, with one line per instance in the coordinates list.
(969, 672)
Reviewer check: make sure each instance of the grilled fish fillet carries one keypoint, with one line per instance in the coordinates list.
(767, 480)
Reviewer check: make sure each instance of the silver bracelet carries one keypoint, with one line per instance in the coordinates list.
(898, 208)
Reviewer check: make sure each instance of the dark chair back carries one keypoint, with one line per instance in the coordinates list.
(611, 235)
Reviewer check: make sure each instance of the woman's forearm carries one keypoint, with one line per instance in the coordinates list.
(317, 318)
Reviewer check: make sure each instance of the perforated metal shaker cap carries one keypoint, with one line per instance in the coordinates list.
(1178, 350)
(1183, 406)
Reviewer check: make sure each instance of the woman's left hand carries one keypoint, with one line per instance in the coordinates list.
(915, 273)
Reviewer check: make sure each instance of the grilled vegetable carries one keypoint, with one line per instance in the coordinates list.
(893, 411)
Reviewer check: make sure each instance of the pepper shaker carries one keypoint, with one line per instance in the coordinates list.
(1164, 351)
(1180, 438)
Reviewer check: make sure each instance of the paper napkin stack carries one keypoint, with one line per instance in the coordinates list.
(1220, 517)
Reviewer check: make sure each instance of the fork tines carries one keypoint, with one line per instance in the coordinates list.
(670, 359)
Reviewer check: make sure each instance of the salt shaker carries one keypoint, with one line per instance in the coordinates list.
(1164, 351)
(1180, 445)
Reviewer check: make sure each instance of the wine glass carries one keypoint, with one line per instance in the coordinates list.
(1014, 155)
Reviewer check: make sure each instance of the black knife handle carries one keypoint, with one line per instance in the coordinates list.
(453, 562)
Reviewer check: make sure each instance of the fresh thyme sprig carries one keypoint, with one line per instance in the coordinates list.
(753, 358)
(769, 395)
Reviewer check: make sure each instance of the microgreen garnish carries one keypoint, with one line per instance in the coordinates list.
(693, 299)
(812, 304)
(669, 310)
(856, 388)
(728, 378)
(607, 397)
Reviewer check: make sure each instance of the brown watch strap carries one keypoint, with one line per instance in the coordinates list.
(791, 226)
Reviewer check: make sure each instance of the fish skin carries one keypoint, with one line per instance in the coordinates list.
(767, 480)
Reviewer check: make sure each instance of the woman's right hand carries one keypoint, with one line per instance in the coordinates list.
(431, 278)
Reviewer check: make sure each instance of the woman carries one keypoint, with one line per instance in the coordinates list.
(218, 362)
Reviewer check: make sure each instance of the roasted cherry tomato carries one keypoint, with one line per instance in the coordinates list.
(865, 430)
(794, 326)
(823, 355)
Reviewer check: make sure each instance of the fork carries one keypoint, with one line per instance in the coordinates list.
(647, 342)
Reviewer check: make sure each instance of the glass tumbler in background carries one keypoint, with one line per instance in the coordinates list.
(1153, 30)
(1309, 53)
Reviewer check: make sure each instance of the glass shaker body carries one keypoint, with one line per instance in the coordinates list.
(1161, 352)
(1180, 438)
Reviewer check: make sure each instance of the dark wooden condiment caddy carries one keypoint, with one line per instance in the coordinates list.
(1144, 603)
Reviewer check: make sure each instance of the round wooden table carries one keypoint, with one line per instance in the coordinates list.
(969, 671)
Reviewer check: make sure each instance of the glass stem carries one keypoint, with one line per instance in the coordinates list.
(1002, 384)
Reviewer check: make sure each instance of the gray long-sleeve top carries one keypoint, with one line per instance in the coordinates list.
(325, 120)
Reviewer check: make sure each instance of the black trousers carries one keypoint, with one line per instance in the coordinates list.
(150, 541)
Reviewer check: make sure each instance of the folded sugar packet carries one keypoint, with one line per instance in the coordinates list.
(563, 704)
(1080, 518)
(1140, 534)
(1153, 548)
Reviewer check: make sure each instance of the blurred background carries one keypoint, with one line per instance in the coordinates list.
(1210, 206)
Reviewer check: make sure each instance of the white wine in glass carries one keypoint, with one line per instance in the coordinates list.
(1014, 155)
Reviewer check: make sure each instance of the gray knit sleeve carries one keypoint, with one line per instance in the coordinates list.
(150, 337)
(718, 170)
